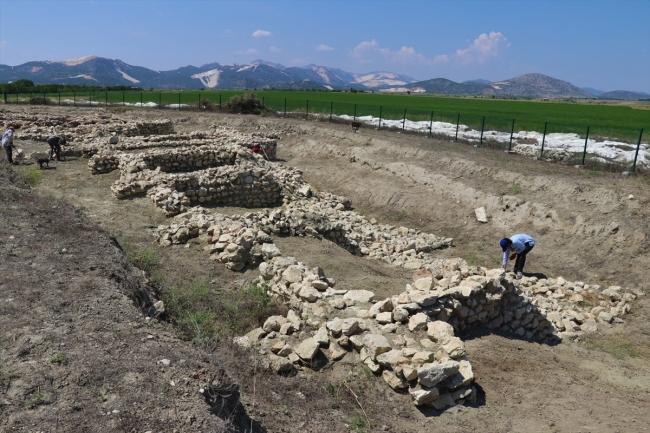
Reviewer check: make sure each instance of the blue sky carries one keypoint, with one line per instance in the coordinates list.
(599, 44)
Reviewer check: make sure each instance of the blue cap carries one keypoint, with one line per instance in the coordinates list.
(504, 244)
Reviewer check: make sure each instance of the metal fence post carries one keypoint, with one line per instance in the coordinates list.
(74, 98)
(512, 131)
(106, 100)
(179, 101)
(200, 102)
(543, 140)
(404, 121)
(307, 111)
(482, 128)
(430, 124)
(140, 99)
(457, 123)
(379, 127)
(123, 101)
(355, 113)
(638, 144)
(331, 111)
(584, 153)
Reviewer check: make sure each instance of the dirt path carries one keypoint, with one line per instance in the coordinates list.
(586, 226)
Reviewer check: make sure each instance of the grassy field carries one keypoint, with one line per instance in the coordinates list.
(604, 119)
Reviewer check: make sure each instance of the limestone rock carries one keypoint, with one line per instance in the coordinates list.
(440, 331)
(280, 363)
(425, 283)
(418, 322)
(274, 323)
(361, 296)
(383, 318)
(307, 349)
(375, 345)
(393, 380)
(481, 215)
(423, 395)
(431, 374)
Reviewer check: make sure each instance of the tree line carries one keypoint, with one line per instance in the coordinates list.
(28, 86)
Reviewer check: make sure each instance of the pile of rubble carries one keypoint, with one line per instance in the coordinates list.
(325, 215)
(409, 338)
(178, 159)
(217, 137)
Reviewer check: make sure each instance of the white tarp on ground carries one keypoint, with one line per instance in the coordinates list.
(608, 150)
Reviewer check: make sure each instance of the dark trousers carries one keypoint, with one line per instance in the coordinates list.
(9, 158)
(55, 149)
(521, 258)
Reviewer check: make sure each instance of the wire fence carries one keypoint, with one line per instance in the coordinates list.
(483, 130)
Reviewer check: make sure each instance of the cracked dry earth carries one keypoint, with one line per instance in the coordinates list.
(84, 303)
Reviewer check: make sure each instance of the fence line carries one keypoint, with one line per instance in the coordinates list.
(317, 109)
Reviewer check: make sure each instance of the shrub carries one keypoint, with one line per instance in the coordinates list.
(247, 103)
(39, 100)
(203, 314)
(146, 258)
(59, 359)
(33, 176)
(206, 104)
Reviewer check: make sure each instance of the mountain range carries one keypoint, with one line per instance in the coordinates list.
(260, 74)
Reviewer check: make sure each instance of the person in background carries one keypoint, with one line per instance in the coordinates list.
(8, 143)
(517, 246)
(55, 146)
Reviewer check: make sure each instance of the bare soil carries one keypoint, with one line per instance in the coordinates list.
(84, 304)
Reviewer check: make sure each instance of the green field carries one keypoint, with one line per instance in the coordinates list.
(607, 120)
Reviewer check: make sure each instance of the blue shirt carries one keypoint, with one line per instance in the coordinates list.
(8, 138)
(518, 245)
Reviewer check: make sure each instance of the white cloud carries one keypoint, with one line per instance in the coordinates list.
(261, 34)
(323, 47)
(365, 47)
(440, 58)
(367, 50)
(484, 47)
(275, 49)
(248, 51)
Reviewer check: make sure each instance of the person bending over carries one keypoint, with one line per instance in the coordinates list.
(517, 246)
(55, 146)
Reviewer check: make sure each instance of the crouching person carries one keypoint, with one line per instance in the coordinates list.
(55, 146)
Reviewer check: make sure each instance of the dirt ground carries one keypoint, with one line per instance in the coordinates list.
(80, 304)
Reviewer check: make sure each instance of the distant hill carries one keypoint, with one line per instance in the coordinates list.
(593, 91)
(625, 95)
(539, 85)
(93, 70)
(260, 74)
(532, 85)
(444, 86)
